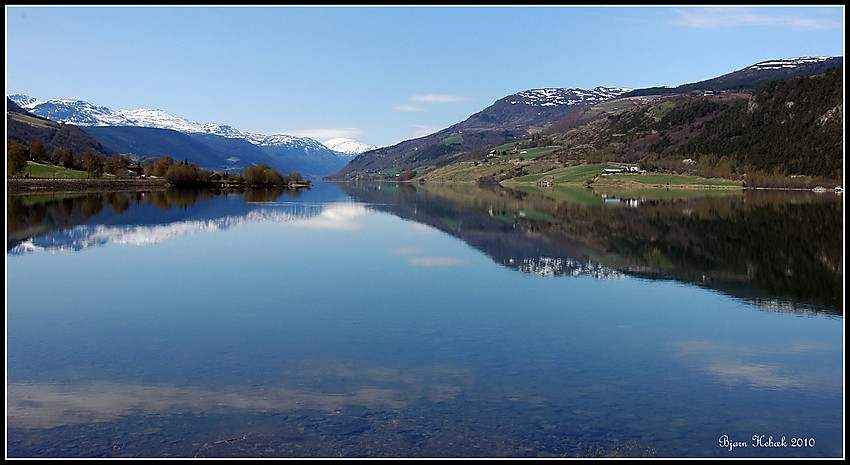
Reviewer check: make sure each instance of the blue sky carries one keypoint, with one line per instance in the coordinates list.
(383, 74)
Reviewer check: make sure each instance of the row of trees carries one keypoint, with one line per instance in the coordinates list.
(18, 154)
(121, 166)
(185, 173)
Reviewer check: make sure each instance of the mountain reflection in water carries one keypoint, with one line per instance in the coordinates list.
(74, 222)
(780, 250)
(380, 320)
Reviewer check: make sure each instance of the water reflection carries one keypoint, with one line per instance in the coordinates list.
(756, 365)
(778, 249)
(782, 251)
(73, 222)
(329, 324)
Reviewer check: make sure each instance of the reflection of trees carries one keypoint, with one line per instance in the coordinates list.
(91, 206)
(118, 203)
(29, 216)
(262, 195)
(182, 197)
(15, 212)
(753, 244)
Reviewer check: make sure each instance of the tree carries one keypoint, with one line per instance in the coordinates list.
(117, 165)
(93, 164)
(68, 160)
(262, 174)
(186, 173)
(147, 167)
(16, 156)
(56, 158)
(161, 166)
(293, 178)
(37, 151)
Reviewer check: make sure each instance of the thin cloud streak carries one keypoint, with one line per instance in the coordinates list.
(408, 108)
(439, 98)
(710, 18)
(424, 130)
(407, 251)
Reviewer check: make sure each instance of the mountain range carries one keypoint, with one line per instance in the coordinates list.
(543, 113)
(147, 134)
(540, 114)
(509, 118)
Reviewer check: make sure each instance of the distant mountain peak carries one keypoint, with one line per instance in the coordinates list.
(21, 99)
(82, 113)
(348, 147)
(214, 145)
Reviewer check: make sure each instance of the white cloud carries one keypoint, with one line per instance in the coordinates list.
(407, 251)
(327, 133)
(752, 364)
(439, 98)
(425, 229)
(408, 108)
(707, 18)
(337, 217)
(424, 130)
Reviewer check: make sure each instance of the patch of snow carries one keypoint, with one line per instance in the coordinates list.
(787, 62)
(348, 147)
(565, 96)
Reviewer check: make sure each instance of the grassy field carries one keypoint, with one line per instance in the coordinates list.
(454, 139)
(668, 180)
(35, 121)
(39, 171)
(508, 146)
(569, 175)
(529, 154)
(534, 152)
(582, 174)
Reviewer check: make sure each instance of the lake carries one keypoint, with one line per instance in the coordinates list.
(425, 320)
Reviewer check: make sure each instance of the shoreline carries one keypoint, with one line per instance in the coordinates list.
(28, 186)
(24, 186)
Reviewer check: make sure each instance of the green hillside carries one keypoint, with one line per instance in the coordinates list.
(787, 133)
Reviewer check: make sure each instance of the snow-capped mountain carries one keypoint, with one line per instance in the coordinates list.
(788, 63)
(507, 119)
(82, 113)
(290, 153)
(349, 147)
(563, 96)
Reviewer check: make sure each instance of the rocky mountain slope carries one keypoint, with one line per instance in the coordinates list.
(783, 134)
(26, 128)
(656, 127)
(513, 117)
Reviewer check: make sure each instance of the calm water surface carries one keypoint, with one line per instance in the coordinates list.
(385, 320)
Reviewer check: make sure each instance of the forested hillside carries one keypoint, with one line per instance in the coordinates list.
(788, 127)
(25, 128)
(783, 129)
